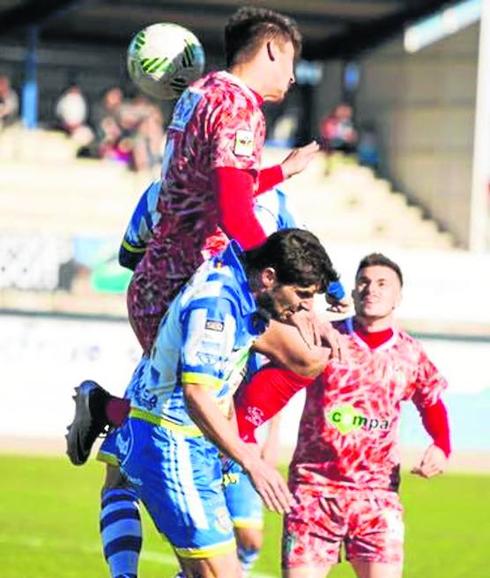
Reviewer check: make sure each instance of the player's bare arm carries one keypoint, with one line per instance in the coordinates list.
(285, 347)
(206, 414)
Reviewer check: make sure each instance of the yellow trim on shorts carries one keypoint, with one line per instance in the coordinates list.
(208, 552)
(244, 523)
(131, 248)
(202, 379)
(109, 459)
(189, 430)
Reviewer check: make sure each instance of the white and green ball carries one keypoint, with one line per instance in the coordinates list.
(163, 59)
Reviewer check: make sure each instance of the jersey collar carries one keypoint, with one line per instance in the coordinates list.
(232, 257)
(351, 329)
(238, 82)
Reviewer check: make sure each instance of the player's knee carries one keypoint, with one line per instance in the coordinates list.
(114, 479)
(250, 539)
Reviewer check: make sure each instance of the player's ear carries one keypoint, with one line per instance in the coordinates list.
(270, 52)
(268, 277)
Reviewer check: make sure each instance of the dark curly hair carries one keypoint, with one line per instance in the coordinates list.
(297, 257)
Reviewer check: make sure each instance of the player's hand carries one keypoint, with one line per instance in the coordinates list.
(433, 463)
(317, 330)
(271, 486)
(298, 159)
(331, 337)
(308, 325)
(339, 305)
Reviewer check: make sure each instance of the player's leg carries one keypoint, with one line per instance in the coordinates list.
(216, 566)
(375, 546)
(96, 411)
(120, 522)
(249, 544)
(245, 508)
(377, 569)
(307, 572)
(313, 533)
(178, 477)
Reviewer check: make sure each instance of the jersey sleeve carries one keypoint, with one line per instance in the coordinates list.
(429, 383)
(209, 331)
(237, 136)
(140, 228)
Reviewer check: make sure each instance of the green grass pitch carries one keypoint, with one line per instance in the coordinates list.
(49, 526)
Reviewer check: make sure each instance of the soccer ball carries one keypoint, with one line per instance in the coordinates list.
(163, 59)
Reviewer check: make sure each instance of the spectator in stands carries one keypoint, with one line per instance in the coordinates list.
(130, 131)
(149, 137)
(71, 111)
(338, 132)
(368, 146)
(112, 118)
(9, 102)
(111, 104)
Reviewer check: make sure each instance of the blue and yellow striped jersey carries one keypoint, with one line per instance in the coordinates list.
(204, 338)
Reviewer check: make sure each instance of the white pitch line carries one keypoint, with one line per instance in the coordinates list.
(149, 555)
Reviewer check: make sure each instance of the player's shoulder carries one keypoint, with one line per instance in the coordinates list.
(222, 89)
(408, 345)
(212, 284)
(405, 338)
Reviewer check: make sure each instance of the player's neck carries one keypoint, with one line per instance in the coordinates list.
(373, 337)
(249, 77)
(372, 325)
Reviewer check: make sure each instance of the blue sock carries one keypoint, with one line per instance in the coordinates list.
(247, 558)
(120, 528)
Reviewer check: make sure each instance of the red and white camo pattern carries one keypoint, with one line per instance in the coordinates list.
(349, 427)
(208, 122)
(345, 470)
(369, 524)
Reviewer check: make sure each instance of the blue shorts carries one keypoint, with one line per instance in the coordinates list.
(178, 477)
(107, 452)
(242, 500)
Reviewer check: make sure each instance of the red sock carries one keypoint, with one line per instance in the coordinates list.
(117, 410)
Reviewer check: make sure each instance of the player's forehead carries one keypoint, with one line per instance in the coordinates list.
(377, 273)
(302, 290)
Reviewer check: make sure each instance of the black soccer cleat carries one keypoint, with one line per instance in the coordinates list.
(89, 422)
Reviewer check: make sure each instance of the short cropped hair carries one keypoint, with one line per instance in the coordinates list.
(248, 27)
(297, 257)
(378, 259)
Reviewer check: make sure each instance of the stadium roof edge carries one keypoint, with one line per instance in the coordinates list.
(332, 28)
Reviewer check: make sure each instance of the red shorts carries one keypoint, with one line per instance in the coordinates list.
(155, 283)
(368, 523)
(163, 271)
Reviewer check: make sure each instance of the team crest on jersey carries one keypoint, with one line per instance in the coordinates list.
(244, 143)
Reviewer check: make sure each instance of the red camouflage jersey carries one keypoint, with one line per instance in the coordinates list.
(216, 123)
(348, 435)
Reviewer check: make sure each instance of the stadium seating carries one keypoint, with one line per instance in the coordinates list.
(350, 204)
(43, 187)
